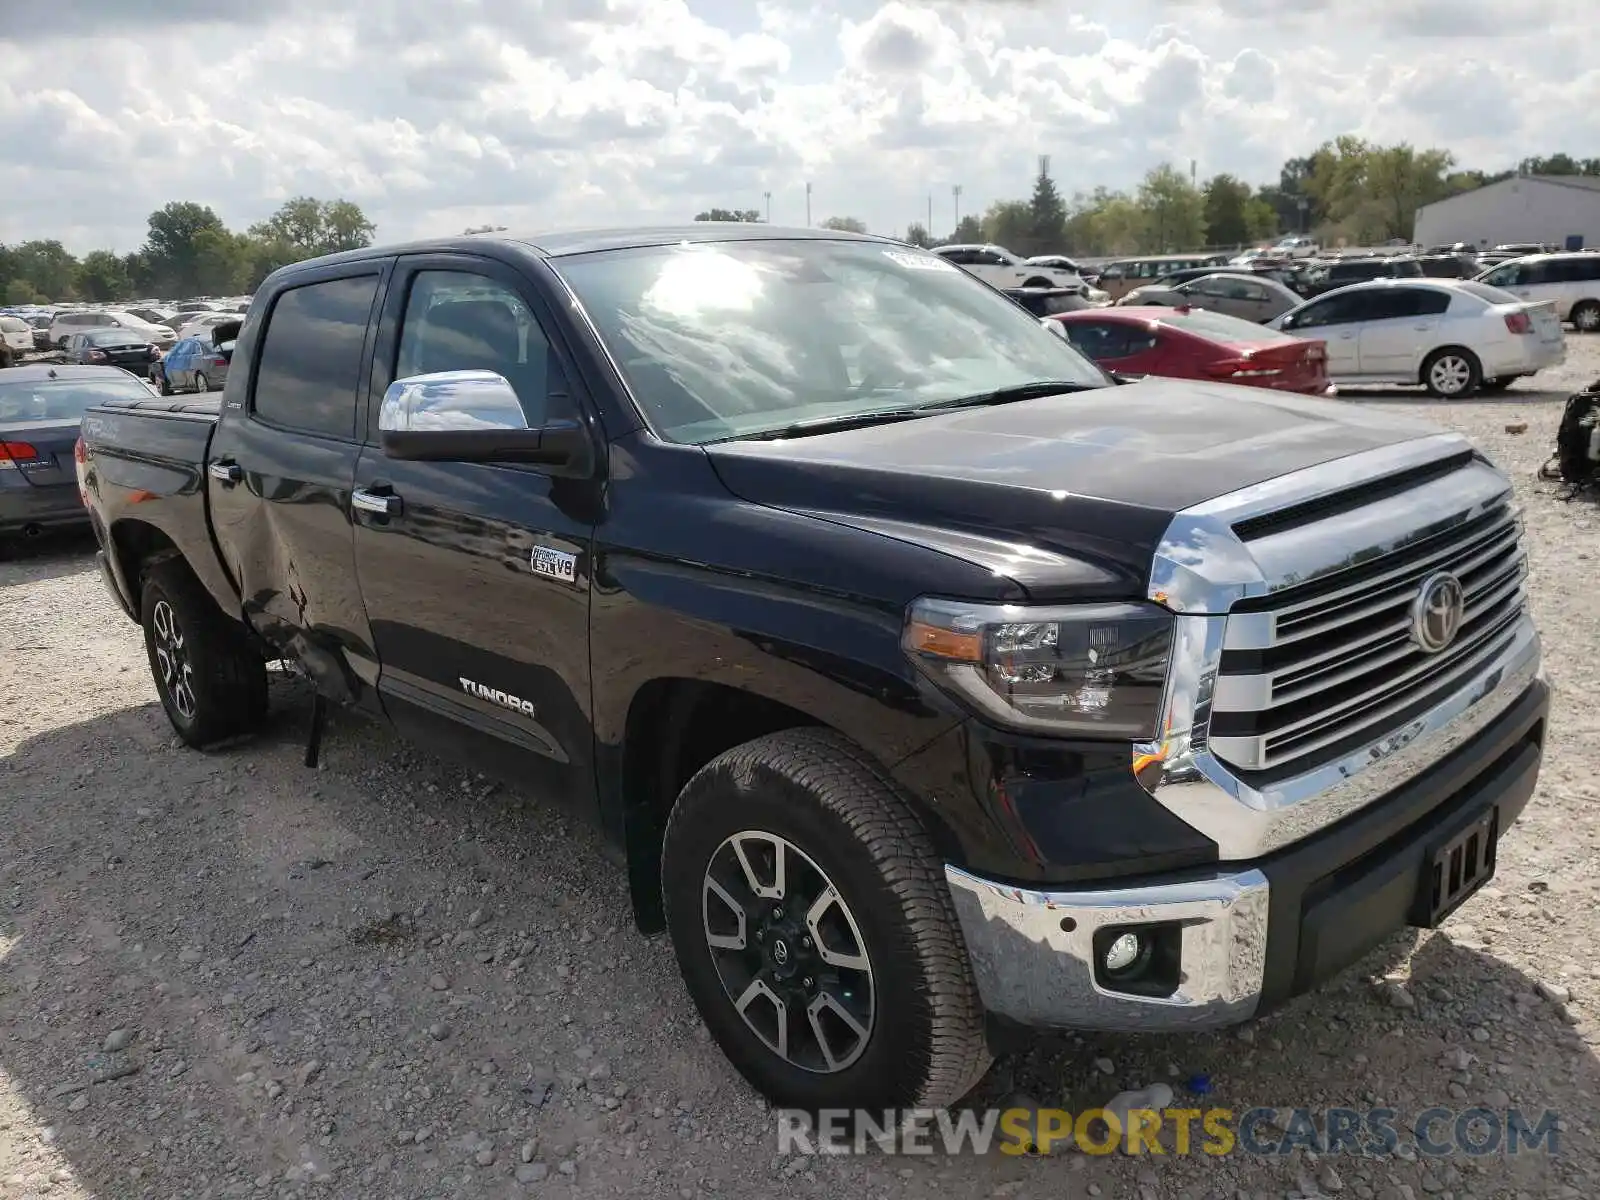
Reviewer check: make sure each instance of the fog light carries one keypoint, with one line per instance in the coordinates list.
(1123, 953)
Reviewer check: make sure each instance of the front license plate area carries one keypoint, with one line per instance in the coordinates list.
(1457, 869)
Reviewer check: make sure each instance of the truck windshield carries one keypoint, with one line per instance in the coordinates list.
(729, 339)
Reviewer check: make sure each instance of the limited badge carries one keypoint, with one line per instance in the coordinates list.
(556, 564)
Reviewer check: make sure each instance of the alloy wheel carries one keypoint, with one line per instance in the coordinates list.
(788, 951)
(1587, 318)
(1450, 374)
(172, 659)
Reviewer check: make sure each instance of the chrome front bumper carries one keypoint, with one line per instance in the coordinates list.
(1032, 951)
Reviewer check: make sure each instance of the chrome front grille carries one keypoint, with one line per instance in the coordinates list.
(1321, 668)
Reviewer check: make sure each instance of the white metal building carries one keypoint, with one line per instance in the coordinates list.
(1563, 210)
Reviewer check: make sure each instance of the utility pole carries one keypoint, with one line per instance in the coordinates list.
(808, 206)
(930, 214)
(955, 197)
(768, 197)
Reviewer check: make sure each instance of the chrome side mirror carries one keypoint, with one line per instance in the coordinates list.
(474, 416)
(450, 400)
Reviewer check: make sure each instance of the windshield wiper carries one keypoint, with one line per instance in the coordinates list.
(1017, 391)
(861, 420)
(885, 416)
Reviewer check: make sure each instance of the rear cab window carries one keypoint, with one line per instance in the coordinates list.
(310, 360)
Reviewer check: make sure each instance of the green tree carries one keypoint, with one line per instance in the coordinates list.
(104, 276)
(1400, 180)
(917, 235)
(1174, 211)
(48, 266)
(1261, 219)
(967, 231)
(845, 225)
(1048, 218)
(224, 263)
(475, 229)
(20, 291)
(1009, 223)
(173, 246)
(729, 214)
(308, 227)
(1120, 226)
(1227, 211)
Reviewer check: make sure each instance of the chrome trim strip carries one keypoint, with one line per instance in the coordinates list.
(1188, 780)
(1202, 569)
(1201, 566)
(1030, 969)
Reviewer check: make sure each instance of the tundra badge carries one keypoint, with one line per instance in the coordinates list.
(557, 564)
(496, 696)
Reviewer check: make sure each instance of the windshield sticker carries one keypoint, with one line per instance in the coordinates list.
(918, 262)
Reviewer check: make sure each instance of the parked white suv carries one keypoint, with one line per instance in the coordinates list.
(1453, 336)
(1571, 281)
(999, 267)
(68, 323)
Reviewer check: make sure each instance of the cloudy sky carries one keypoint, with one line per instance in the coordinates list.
(557, 113)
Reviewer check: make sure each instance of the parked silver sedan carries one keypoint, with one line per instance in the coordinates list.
(1251, 297)
(1452, 336)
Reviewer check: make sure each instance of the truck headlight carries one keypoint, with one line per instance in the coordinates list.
(1093, 670)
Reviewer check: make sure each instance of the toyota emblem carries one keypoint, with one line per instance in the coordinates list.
(1437, 612)
(780, 952)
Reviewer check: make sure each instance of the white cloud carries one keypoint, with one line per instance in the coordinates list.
(552, 113)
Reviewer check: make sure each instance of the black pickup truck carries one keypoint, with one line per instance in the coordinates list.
(932, 685)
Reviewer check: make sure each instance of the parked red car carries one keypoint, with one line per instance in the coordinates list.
(1194, 343)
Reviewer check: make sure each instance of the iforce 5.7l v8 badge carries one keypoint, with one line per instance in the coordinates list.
(557, 564)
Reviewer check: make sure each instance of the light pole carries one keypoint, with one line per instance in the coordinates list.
(955, 200)
(768, 197)
(808, 206)
(1304, 206)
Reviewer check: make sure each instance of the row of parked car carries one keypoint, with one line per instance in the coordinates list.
(1454, 337)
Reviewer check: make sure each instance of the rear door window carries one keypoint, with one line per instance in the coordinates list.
(310, 358)
(1395, 303)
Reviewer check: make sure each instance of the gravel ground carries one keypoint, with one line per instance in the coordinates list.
(226, 975)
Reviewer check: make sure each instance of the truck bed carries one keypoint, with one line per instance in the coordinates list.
(146, 466)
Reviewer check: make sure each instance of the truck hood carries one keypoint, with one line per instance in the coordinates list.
(1065, 493)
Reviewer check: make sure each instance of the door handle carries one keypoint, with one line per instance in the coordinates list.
(381, 504)
(225, 471)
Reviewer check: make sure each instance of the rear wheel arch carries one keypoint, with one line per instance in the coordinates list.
(138, 547)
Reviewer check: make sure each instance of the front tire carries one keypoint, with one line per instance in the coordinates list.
(211, 683)
(1585, 316)
(815, 931)
(1452, 373)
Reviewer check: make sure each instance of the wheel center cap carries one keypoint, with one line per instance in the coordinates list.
(781, 954)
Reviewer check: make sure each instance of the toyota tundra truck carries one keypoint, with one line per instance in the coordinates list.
(932, 685)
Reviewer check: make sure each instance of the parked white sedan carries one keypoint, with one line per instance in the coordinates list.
(1452, 336)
